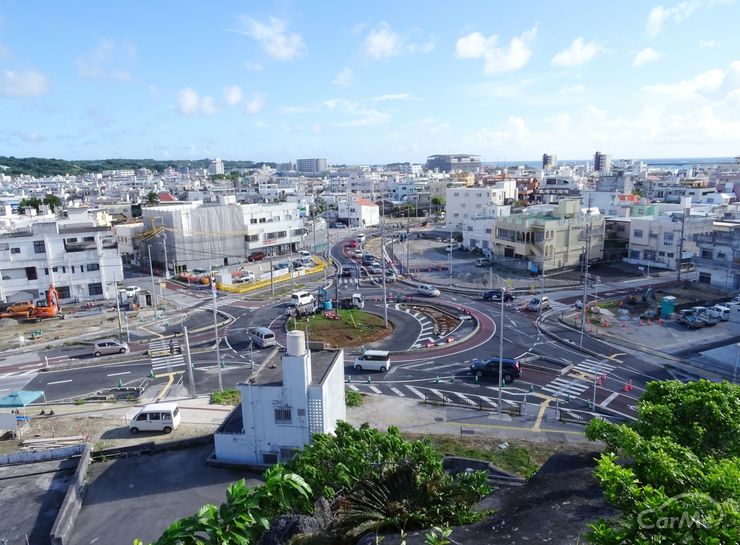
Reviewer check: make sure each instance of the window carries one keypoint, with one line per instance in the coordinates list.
(64, 268)
(93, 267)
(39, 247)
(667, 237)
(15, 250)
(282, 416)
(71, 240)
(82, 268)
(89, 239)
(64, 292)
(706, 254)
(31, 273)
(269, 458)
(301, 412)
(287, 453)
(620, 228)
(73, 269)
(46, 272)
(634, 254)
(95, 288)
(55, 269)
(253, 220)
(637, 233)
(155, 416)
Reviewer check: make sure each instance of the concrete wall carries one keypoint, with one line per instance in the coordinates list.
(72, 503)
(41, 455)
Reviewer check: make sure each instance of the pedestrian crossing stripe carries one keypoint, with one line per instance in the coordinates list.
(19, 373)
(562, 386)
(416, 392)
(398, 392)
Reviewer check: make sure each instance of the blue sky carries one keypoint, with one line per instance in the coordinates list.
(368, 82)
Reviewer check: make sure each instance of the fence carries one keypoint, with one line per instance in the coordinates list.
(244, 288)
(512, 408)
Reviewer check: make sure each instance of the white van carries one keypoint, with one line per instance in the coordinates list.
(300, 298)
(261, 336)
(373, 360)
(156, 417)
(360, 237)
(719, 311)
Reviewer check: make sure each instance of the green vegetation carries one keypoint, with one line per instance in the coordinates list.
(373, 481)
(353, 399)
(152, 198)
(227, 397)
(353, 328)
(674, 476)
(36, 166)
(34, 202)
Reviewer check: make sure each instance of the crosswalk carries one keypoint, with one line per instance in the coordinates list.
(426, 392)
(569, 385)
(165, 356)
(16, 374)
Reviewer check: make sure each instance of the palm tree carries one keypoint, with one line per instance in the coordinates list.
(152, 198)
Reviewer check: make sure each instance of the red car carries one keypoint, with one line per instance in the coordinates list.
(351, 244)
(256, 256)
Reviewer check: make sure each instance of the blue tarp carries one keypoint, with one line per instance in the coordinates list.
(20, 398)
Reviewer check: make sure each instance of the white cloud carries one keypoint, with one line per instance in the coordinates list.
(497, 60)
(384, 98)
(233, 95)
(710, 43)
(701, 84)
(659, 15)
(344, 78)
(108, 60)
(253, 66)
(273, 38)
(578, 52)
(572, 89)
(383, 42)
(23, 84)
(645, 56)
(291, 110)
(257, 104)
(191, 103)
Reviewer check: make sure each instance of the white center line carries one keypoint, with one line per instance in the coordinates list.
(116, 374)
(58, 382)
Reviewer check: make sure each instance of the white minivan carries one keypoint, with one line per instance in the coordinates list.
(156, 417)
(373, 360)
(261, 336)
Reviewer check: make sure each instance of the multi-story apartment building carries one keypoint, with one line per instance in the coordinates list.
(82, 261)
(655, 242)
(311, 166)
(190, 235)
(718, 255)
(451, 163)
(216, 166)
(602, 162)
(549, 161)
(556, 238)
(462, 204)
(359, 212)
(554, 188)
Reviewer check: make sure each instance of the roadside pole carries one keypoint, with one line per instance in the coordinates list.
(215, 332)
(382, 274)
(188, 362)
(272, 278)
(151, 273)
(118, 310)
(501, 357)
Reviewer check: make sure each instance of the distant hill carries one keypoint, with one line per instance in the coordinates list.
(37, 166)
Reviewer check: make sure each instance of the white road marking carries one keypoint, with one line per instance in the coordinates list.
(609, 399)
(353, 387)
(375, 389)
(416, 392)
(116, 374)
(398, 392)
(58, 382)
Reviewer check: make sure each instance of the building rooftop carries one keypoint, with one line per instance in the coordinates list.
(270, 372)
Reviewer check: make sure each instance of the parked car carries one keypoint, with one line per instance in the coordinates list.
(689, 318)
(347, 271)
(106, 347)
(719, 311)
(256, 256)
(510, 368)
(495, 295)
(428, 290)
(375, 268)
(390, 275)
(483, 262)
(538, 303)
(132, 290)
(356, 253)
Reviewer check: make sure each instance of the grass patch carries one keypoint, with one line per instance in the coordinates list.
(353, 399)
(227, 397)
(353, 328)
(521, 458)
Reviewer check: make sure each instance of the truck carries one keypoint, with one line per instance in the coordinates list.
(354, 301)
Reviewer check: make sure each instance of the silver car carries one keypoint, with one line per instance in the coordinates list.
(106, 347)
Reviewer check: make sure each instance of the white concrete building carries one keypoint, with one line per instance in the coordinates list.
(82, 261)
(216, 167)
(718, 255)
(283, 404)
(360, 212)
(462, 204)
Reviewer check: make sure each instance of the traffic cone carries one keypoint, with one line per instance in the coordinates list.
(630, 385)
(369, 380)
(477, 380)
(603, 377)
(626, 387)
(452, 380)
(349, 380)
(436, 380)
(151, 374)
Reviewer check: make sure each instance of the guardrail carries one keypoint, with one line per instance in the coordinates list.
(512, 408)
(245, 288)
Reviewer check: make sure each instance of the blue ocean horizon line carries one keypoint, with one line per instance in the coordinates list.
(669, 161)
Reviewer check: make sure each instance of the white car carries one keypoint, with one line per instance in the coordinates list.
(132, 290)
(375, 268)
(428, 290)
(536, 304)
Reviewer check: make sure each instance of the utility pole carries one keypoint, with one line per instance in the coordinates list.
(215, 332)
(272, 277)
(383, 266)
(118, 310)
(166, 263)
(679, 263)
(151, 273)
(449, 248)
(501, 357)
(408, 238)
(586, 252)
(189, 362)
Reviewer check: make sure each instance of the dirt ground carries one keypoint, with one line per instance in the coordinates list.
(104, 425)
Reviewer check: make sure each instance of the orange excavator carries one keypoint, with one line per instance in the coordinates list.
(49, 308)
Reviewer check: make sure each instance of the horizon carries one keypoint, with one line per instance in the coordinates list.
(369, 84)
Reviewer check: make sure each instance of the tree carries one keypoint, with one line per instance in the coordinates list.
(438, 202)
(674, 475)
(152, 198)
(28, 203)
(52, 201)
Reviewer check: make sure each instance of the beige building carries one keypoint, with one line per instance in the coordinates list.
(554, 236)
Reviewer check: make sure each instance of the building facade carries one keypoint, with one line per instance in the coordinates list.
(81, 261)
(283, 406)
(718, 255)
(602, 162)
(358, 212)
(554, 238)
(451, 163)
(311, 166)
(463, 204)
(549, 161)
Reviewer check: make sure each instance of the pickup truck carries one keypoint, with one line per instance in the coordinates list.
(690, 319)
